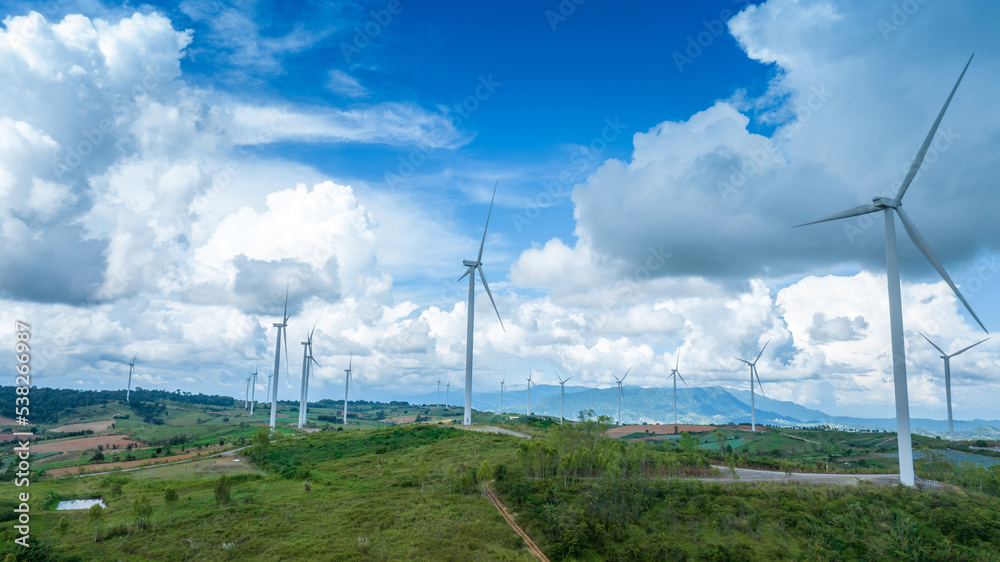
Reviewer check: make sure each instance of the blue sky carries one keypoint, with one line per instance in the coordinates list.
(651, 159)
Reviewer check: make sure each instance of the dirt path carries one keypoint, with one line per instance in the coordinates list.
(801, 438)
(491, 495)
(752, 475)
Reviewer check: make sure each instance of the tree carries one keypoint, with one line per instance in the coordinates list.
(222, 491)
(170, 500)
(484, 474)
(261, 444)
(63, 525)
(94, 516)
(142, 509)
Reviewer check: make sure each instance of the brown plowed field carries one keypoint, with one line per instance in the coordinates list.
(84, 443)
(92, 426)
(663, 429)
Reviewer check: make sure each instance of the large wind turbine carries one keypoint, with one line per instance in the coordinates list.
(474, 266)
(131, 369)
(621, 393)
(307, 363)
(947, 377)
(562, 389)
(277, 360)
(347, 383)
(674, 373)
(888, 207)
(753, 373)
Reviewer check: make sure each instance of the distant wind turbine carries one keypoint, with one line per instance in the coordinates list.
(246, 396)
(621, 393)
(501, 389)
(277, 360)
(447, 395)
(674, 373)
(269, 375)
(947, 377)
(474, 266)
(131, 368)
(887, 206)
(307, 362)
(439, 393)
(530, 382)
(753, 373)
(253, 389)
(562, 389)
(347, 383)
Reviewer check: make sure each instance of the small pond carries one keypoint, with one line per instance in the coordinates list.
(79, 504)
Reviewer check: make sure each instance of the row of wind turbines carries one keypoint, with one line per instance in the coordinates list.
(890, 207)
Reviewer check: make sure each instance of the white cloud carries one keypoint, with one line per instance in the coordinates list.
(346, 85)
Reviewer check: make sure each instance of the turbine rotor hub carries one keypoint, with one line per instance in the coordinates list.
(885, 202)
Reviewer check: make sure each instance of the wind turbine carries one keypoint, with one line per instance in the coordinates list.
(277, 360)
(447, 397)
(621, 393)
(131, 369)
(347, 383)
(562, 388)
(947, 377)
(504, 379)
(753, 373)
(530, 382)
(269, 375)
(473, 266)
(246, 396)
(888, 206)
(307, 363)
(674, 373)
(439, 392)
(253, 389)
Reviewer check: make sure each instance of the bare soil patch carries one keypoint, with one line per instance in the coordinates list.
(104, 467)
(7, 421)
(91, 426)
(663, 429)
(84, 443)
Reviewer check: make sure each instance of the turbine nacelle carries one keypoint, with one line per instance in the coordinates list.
(470, 263)
(885, 202)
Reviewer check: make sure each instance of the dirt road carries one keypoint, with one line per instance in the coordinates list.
(491, 495)
(492, 429)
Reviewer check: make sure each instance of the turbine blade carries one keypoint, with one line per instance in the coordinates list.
(682, 379)
(626, 374)
(487, 285)
(935, 345)
(915, 166)
(567, 379)
(742, 360)
(350, 361)
(483, 243)
(758, 382)
(761, 351)
(968, 348)
(859, 210)
(925, 249)
(467, 271)
(557, 375)
(284, 314)
(677, 363)
(134, 357)
(313, 331)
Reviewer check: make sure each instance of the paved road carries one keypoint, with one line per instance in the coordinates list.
(752, 475)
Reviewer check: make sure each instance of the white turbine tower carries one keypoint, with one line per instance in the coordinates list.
(253, 389)
(246, 395)
(753, 373)
(447, 395)
(674, 373)
(277, 361)
(474, 266)
(347, 383)
(889, 207)
(530, 382)
(502, 381)
(307, 363)
(947, 377)
(131, 369)
(621, 393)
(562, 389)
(269, 375)
(439, 393)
